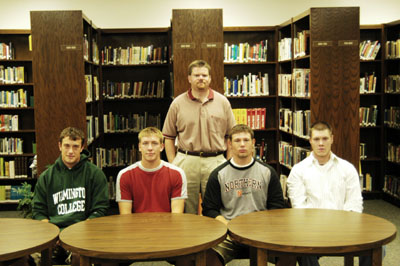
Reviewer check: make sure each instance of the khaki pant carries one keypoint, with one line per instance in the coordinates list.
(197, 170)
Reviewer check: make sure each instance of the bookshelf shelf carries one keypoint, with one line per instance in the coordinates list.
(299, 66)
(13, 164)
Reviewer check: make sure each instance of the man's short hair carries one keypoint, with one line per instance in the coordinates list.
(239, 128)
(73, 133)
(149, 131)
(320, 125)
(199, 63)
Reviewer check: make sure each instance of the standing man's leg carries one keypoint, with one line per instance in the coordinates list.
(191, 166)
(207, 166)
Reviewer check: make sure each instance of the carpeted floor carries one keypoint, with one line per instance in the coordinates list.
(375, 207)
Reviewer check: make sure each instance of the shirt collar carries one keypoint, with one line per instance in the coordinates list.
(331, 159)
(210, 95)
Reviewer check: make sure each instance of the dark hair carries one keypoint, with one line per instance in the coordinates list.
(199, 63)
(320, 125)
(239, 129)
(73, 133)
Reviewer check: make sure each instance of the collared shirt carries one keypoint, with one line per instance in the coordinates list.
(334, 185)
(199, 126)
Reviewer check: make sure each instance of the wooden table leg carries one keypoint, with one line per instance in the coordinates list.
(377, 256)
(258, 257)
(45, 259)
(201, 258)
(84, 261)
(348, 260)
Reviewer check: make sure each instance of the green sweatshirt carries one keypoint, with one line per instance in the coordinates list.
(67, 196)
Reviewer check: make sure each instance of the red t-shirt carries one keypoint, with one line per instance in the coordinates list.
(151, 190)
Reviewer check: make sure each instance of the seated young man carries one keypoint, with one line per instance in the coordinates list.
(224, 202)
(72, 189)
(151, 185)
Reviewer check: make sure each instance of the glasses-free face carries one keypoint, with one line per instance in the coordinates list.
(321, 143)
(70, 151)
(151, 148)
(200, 79)
(242, 146)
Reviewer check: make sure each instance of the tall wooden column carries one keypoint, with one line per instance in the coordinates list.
(197, 34)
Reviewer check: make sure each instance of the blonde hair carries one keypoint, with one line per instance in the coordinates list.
(199, 63)
(148, 131)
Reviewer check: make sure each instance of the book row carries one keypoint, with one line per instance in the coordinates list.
(8, 122)
(245, 52)
(369, 49)
(16, 168)
(10, 193)
(116, 157)
(12, 75)
(283, 181)
(296, 122)
(134, 89)
(301, 44)
(95, 50)
(92, 88)
(366, 182)
(368, 116)
(392, 84)
(260, 151)
(253, 117)
(393, 153)
(11, 146)
(296, 84)
(6, 51)
(391, 185)
(289, 155)
(134, 55)
(117, 123)
(368, 83)
(392, 117)
(17, 98)
(92, 128)
(285, 49)
(247, 85)
(392, 49)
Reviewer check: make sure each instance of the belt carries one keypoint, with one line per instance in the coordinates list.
(201, 153)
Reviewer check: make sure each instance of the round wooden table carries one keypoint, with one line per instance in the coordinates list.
(143, 236)
(312, 231)
(21, 237)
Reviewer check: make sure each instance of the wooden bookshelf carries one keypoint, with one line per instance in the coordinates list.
(17, 162)
(197, 34)
(371, 132)
(391, 166)
(236, 69)
(59, 74)
(132, 102)
(332, 57)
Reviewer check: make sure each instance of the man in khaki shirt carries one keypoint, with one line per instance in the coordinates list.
(200, 120)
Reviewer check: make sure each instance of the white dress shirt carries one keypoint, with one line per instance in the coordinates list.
(334, 185)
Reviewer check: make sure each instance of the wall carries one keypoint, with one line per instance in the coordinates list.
(157, 13)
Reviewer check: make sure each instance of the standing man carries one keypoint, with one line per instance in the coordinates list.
(325, 181)
(200, 119)
(72, 189)
(239, 186)
(151, 185)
